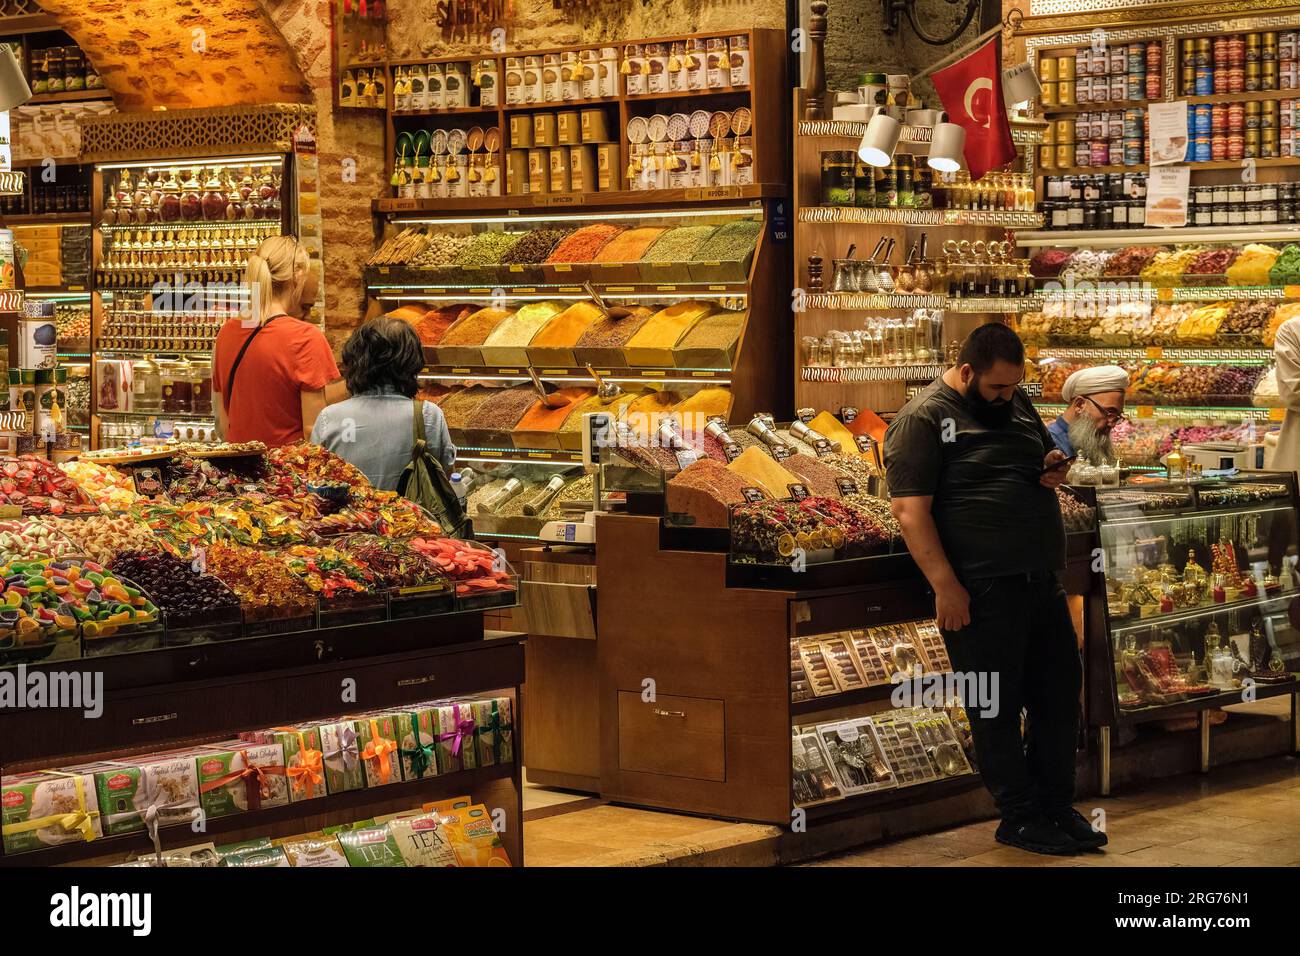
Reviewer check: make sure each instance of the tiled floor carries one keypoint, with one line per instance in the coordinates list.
(1241, 815)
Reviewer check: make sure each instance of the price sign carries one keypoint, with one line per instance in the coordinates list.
(782, 452)
(754, 495)
(822, 447)
(798, 492)
(863, 442)
(847, 414)
(731, 450)
(847, 486)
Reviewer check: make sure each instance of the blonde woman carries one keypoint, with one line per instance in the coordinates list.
(270, 368)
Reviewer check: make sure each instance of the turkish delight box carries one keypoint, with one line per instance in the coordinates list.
(371, 846)
(422, 721)
(342, 757)
(45, 809)
(456, 747)
(303, 761)
(229, 781)
(377, 741)
(494, 731)
(167, 782)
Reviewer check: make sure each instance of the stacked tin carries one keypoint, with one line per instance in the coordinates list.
(1102, 74)
(1235, 63)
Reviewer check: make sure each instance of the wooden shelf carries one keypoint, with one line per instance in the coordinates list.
(558, 106)
(454, 111)
(629, 198)
(1111, 238)
(685, 94)
(919, 218)
(1094, 107)
(71, 96)
(1196, 167)
(50, 219)
(1243, 97)
(409, 794)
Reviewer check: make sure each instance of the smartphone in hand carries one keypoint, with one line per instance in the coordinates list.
(1063, 463)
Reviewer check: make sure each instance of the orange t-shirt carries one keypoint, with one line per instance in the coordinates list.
(287, 358)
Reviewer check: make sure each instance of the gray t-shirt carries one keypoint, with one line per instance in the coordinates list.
(993, 516)
(376, 432)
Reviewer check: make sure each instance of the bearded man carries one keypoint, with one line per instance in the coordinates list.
(1094, 399)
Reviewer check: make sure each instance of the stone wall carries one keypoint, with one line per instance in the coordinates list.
(351, 154)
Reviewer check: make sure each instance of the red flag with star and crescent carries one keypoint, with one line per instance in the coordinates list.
(971, 93)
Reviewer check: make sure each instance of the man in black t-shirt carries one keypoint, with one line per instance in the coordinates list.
(972, 475)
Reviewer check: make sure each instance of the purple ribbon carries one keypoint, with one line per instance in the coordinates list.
(464, 728)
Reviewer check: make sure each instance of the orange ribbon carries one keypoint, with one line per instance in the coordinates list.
(378, 749)
(309, 774)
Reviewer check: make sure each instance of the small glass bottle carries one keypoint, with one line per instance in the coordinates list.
(146, 391)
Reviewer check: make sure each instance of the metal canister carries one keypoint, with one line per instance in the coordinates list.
(1137, 58)
(1133, 151)
(1188, 85)
(1065, 93)
(1118, 56)
(1236, 117)
(1221, 79)
(1067, 155)
(1219, 147)
(1134, 123)
(1065, 68)
(1286, 75)
(1136, 86)
(1268, 48)
(1254, 44)
(1049, 69)
(1063, 130)
(1154, 82)
(1253, 76)
(1219, 118)
(1203, 52)
(1118, 87)
(1236, 79)
(1115, 124)
(1253, 112)
(1082, 62)
(1236, 49)
(1249, 145)
(1268, 117)
(1099, 153)
(1098, 62)
(1115, 152)
(1082, 154)
(1201, 122)
(1286, 46)
(1047, 156)
(1204, 81)
(1219, 51)
(1047, 95)
(1268, 144)
(1268, 76)
(1186, 51)
(1083, 88)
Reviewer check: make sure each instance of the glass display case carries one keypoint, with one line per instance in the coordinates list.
(1200, 582)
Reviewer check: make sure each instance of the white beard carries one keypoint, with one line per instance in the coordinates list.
(1091, 444)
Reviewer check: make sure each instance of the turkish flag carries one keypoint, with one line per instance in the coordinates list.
(971, 93)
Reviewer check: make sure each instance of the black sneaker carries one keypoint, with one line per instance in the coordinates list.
(1037, 835)
(1078, 828)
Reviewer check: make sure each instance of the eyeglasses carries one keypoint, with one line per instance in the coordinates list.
(1113, 415)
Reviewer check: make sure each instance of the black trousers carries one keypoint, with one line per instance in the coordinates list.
(1021, 632)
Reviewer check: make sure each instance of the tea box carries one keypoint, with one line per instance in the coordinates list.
(422, 840)
(377, 740)
(421, 762)
(456, 725)
(370, 846)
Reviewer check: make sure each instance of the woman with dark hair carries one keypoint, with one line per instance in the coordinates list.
(373, 429)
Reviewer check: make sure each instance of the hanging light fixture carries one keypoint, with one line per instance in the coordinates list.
(880, 139)
(947, 144)
(14, 90)
(1020, 85)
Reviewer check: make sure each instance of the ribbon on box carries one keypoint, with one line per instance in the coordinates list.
(255, 782)
(421, 755)
(347, 748)
(378, 749)
(463, 729)
(80, 820)
(496, 728)
(310, 771)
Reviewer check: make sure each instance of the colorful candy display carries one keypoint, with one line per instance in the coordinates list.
(60, 594)
(112, 488)
(187, 595)
(39, 487)
(474, 569)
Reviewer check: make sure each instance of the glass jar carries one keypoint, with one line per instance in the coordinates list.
(183, 387)
(146, 389)
(191, 199)
(214, 200)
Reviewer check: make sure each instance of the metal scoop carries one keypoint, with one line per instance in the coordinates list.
(606, 391)
(611, 311)
(549, 399)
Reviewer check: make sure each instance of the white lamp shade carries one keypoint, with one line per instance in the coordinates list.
(14, 90)
(1020, 84)
(880, 139)
(947, 145)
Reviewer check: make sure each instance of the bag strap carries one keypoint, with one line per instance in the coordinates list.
(420, 442)
(230, 381)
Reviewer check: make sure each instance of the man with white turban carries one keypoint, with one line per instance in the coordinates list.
(1094, 402)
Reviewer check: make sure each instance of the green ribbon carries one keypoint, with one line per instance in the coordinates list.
(496, 727)
(421, 755)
